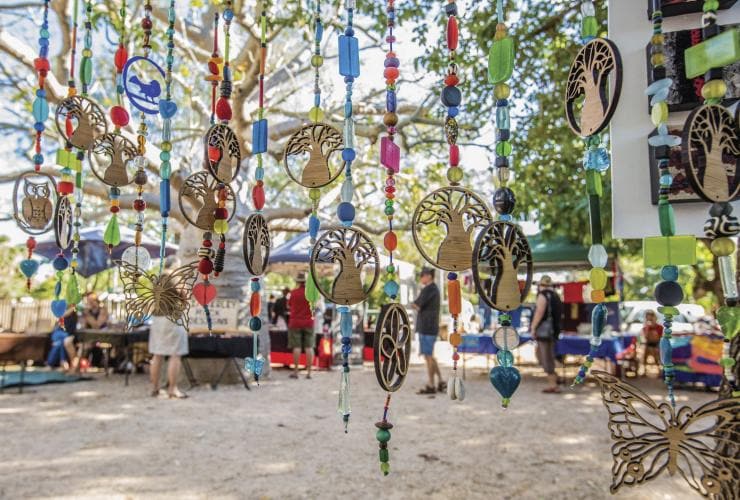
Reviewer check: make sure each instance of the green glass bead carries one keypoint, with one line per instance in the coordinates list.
(505, 358)
(389, 211)
(86, 70)
(501, 91)
(388, 203)
(593, 141)
(668, 310)
(383, 435)
(503, 148)
(501, 60)
(390, 269)
(589, 27)
(112, 235)
(166, 146)
(588, 363)
(454, 174)
(722, 247)
(710, 5)
(593, 182)
(598, 278)
(316, 60)
(660, 251)
(165, 170)
(727, 362)
(383, 454)
(385, 467)
(164, 155)
(659, 113)
(314, 194)
(716, 52)
(316, 114)
(667, 219)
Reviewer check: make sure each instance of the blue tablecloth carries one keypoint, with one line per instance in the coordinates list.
(567, 344)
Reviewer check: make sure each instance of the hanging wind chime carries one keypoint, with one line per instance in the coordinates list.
(35, 192)
(590, 101)
(501, 250)
(256, 239)
(350, 253)
(711, 149)
(392, 341)
(448, 217)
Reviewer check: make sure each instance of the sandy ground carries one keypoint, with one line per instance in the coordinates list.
(99, 439)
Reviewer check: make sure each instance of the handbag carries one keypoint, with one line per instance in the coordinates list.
(545, 330)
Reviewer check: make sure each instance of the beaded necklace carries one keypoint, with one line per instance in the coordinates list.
(456, 209)
(502, 247)
(392, 340)
(35, 213)
(711, 145)
(588, 108)
(256, 239)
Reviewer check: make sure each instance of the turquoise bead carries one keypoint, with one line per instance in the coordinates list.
(503, 120)
(669, 273)
(505, 358)
(391, 289)
(259, 173)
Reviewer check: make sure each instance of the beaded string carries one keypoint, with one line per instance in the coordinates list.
(29, 266)
(255, 363)
(390, 159)
(349, 68)
(167, 108)
(595, 161)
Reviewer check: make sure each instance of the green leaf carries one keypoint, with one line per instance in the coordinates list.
(729, 321)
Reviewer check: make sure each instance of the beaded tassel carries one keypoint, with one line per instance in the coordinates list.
(383, 435)
(255, 363)
(167, 108)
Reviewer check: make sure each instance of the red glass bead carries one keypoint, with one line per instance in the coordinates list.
(221, 214)
(452, 33)
(69, 126)
(223, 109)
(115, 210)
(390, 55)
(213, 67)
(223, 195)
(258, 196)
(390, 73)
(205, 266)
(41, 64)
(451, 80)
(214, 153)
(222, 245)
(455, 357)
(255, 304)
(65, 187)
(454, 155)
(390, 241)
(119, 116)
(120, 58)
(207, 243)
(139, 205)
(204, 293)
(390, 189)
(31, 243)
(146, 23)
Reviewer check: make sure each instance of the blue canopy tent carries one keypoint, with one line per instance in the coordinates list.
(93, 256)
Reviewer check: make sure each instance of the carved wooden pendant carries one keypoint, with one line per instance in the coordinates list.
(80, 121)
(63, 222)
(34, 195)
(198, 200)
(223, 154)
(589, 104)
(350, 257)
(500, 255)
(443, 226)
(392, 346)
(649, 438)
(110, 158)
(307, 156)
(711, 151)
(256, 244)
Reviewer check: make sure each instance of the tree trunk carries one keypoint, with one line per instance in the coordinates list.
(456, 247)
(592, 112)
(316, 172)
(508, 295)
(715, 174)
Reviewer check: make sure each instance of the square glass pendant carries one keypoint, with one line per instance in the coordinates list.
(658, 251)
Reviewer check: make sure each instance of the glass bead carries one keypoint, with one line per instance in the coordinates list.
(259, 173)
(598, 278)
(255, 286)
(589, 27)
(597, 256)
(588, 9)
(137, 257)
(593, 183)
(596, 341)
(727, 276)
(505, 357)
(502, 176)
(503, 148)
(316, 60)
(501, 60)
(391, 289)
(315, 114)
(669, 273)
(501, 91)
(221, 226)
(666, 351)
(390, 154)
(348, 133)
(346, 212)
(314, 194)
(664, 140)
(664, 84)
(714, 89)
(503, 120)
(722, 246)
(667, 219)
(347, 190)
(659, 113)
(666, 180)
(668, 293)
(454, 174)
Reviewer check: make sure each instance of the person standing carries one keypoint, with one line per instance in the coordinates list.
(301, 334)
(280, 310)
(545, 328)
(427, 326)
(652, 332)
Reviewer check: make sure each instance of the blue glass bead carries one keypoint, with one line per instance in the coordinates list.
(391, 289)
(596, 159)
(666, 180)
(349, 55)
(453, 111)
(347, 191)
(451, 96)
(505, 358)
(40, 109)
(502, 102)
(659, 96)
(346, 212)
(390, 101)
(29, 267)
(120, 89)
(505, 217)
(348, 154)
(598, 319)
(259, 173)
(506, 380)
(164, 155)
(582, 373)
(391, 62)
(60, 263)
(39, 127)
(44, 32)
(40, 93)
(346, 340)
(502, 117)
(58, 307)
(317, 100)
(663, 83)
(346, 349)
(595, 341)
(597, 256)
(228, 15)
(669, 273)
(164, 197)
(349, 80)
(662, 129)
(255, 285)
(58, 288)
(319, 33)
(666, 351)
(313, 226)
(259, 136)
(255, 323)
(348, 109)
(451, 276)
(44, 42)
(44, 51)
(345, 323)
(38, 158)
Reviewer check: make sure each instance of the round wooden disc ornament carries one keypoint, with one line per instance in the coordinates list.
(711, 150)
(223, 155)
(198, 200)
(349, 252)
(500, 255)
(143, 81)
(307, 156)
(392, 346)
(110, 158)
(505, 338)
(63, 222)
(256, 244)
(589, 104)
(34, 197)
(80, 121)
(448, 219)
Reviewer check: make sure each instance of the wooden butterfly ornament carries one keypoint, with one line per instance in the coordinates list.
(149, 294)
(702, 445)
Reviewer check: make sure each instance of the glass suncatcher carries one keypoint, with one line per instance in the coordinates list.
(451, 215)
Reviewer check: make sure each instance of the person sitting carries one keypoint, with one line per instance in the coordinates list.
(95, 315)
(652, 332)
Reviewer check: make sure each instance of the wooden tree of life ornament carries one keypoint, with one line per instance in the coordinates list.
(712, 152)
(223, 154)
(80, 121)
(589, 104)
(198, 200)
(502, 253)
(349, 252)
(34, 197)
(308, 154)
(451, 215)
(256, 244)
(63, 222)
(110, 158)
(392, 346)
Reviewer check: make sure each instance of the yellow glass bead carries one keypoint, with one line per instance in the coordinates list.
(659, 113)
(71, 92)
(500, 32)
(166, 146)
(598, 278)
(455, 339)
(137, 238)
(73, 264)
(658, 39)
(316, 114)
(722, 247)
(316, 60)
(598, 296)
(714, 89)
(314, 194)
(115, 203)
(76, 237)
(454, 174)
(220, 226)
(657, 59)
(501, 91)
(87, 53)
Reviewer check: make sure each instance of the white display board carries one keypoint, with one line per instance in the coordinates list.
(224, 316)
(634, 216)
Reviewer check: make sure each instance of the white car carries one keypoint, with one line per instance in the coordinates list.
(633, 316)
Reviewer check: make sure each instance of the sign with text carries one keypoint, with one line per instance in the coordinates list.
(224, 316)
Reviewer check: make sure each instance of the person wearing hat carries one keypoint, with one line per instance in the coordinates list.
(300, 325)
(545, 328)
(427, 326)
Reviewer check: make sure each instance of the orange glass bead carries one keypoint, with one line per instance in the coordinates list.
(255, 304)
(598, 296)
(390, 241)
(454, 297)
(451, 80)
(455, 339)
